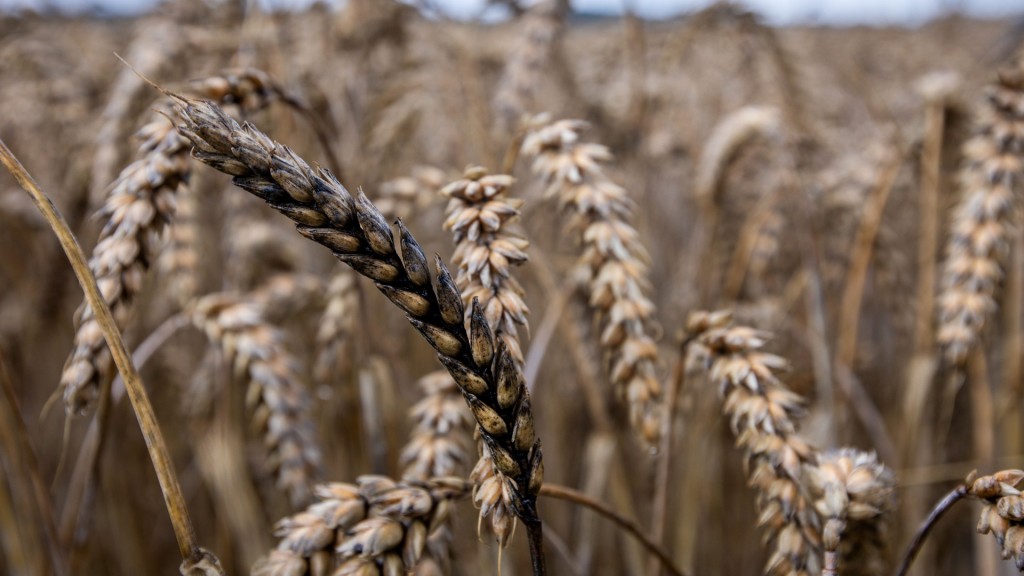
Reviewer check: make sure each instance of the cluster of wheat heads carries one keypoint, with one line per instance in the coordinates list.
(719, 163)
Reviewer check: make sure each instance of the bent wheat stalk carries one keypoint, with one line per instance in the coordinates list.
(354, 230)
(196, 561)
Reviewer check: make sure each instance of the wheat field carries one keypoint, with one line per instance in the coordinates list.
(685, 297)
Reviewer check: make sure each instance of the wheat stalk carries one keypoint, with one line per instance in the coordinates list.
(614, 263)
(355, 231)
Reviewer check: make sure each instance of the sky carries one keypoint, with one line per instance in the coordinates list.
(782, 12)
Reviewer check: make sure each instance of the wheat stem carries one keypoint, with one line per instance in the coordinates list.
(629, 526)
(937, 512)
(158, 453)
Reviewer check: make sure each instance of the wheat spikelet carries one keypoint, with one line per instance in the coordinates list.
(179, 262)
(852, 492)
(441, 424)
(139, 206)
(357, 234)
(280, 405)
(376, 526)
(614, 262)
(762, 413)
(979, 240)
(479, 213)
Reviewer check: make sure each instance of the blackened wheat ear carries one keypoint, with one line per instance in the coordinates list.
(355, 231)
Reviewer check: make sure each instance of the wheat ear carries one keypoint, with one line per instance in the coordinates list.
(355, 231)
(613, 264)
(852, 493)
(479, 215)
(280, 405)
(1002, 514)
(979, 240)
(376, 526)
(139, 206)
(762, 412)
(438, 447)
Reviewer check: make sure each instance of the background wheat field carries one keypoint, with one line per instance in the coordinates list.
(699, 296)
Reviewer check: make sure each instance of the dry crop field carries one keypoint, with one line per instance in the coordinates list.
(617, 297)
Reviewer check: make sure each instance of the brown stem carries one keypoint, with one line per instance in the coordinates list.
(941, 508)
(535, 533)
(158, 453)
(860, 259)
(631, 527)
(663, 470)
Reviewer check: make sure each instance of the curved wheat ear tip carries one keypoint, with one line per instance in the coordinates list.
(762, 413)
(614, 263)
(982, 222)
(279, 404)
(853, 493)
(355, 231)
(376, 526)
(1003, 511)
(737, 129)
(139, 206)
